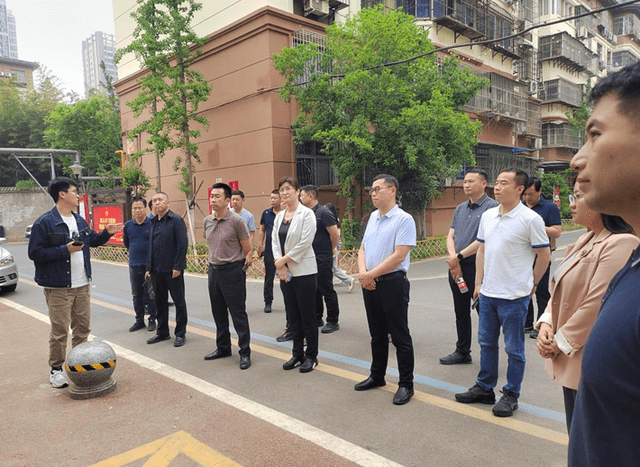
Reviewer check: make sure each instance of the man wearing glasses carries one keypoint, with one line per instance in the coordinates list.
(59, 248)
(383, 262)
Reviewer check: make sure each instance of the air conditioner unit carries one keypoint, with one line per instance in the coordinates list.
(1, 73)
(582, 32)
(319, 8)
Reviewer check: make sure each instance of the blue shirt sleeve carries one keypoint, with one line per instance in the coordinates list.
(406, 232)
(554, 215)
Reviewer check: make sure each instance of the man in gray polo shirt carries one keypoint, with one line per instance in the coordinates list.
(511, 236)
(229, 251)
(462, 247)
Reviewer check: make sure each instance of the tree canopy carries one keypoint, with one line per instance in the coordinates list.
(91, 126)
(405, 119)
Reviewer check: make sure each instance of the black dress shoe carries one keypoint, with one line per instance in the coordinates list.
(152, 326)
(157, 338)
(137, 326)
(292, 363)
(245, 362)
(285, 336)
(403, 395)
(218, 354)
(308, 365)
(329, 328)
(455, 358)
(179, 342)
(267, 307)
(369, 383)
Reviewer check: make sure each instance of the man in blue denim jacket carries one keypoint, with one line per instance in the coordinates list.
(59, 247)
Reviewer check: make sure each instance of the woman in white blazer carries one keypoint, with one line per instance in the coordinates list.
(292, 237)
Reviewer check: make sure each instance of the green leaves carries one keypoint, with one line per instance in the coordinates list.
(166, 45)
(405, 119)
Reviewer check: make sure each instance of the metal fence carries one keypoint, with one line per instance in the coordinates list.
(430, 248)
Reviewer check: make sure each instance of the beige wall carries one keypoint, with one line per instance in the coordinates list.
(20, 208)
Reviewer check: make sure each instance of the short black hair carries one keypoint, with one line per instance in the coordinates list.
(226, 188)
(625, 85)
(311, 189)
(480, 172)
(166, 196)
(291, 181)
(236, 192)
(534, 181)
(615, 224)
(275, 192)
(139, 198)
(388, 179)
(59, 184)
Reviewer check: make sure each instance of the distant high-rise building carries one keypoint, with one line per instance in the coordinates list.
(8, 36)
(98, 48)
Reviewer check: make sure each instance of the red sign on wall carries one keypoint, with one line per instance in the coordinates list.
(104, 214)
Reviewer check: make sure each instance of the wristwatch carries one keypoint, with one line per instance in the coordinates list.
(460, 257)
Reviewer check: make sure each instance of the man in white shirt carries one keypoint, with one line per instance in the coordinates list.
(59, 247)
(511, 236)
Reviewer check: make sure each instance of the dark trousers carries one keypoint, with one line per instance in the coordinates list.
(569, 403)
(542, 298)
(164, 284)
(269, 274)
(326, 290)
(299, 301)
(141, 298)
(228, 294)
(462, 304)
(387, 313)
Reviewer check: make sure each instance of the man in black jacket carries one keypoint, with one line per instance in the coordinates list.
(59, 247)
(165, 266)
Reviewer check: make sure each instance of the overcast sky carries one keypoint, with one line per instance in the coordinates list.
(51, 32)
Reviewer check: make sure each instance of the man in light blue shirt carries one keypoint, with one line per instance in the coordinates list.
(237, 202)
(383, 262)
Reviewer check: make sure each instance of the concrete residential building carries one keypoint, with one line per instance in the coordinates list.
(535, 80)
(19, 70)
(98, 48)
(8, 34)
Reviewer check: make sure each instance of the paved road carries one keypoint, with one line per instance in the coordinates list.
(264, 416)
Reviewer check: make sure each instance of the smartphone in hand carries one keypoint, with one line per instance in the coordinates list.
(474, 305)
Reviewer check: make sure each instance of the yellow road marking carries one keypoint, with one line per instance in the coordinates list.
(164, 450)
(447, 404)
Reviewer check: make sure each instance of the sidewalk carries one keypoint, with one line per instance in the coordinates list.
(43, 426)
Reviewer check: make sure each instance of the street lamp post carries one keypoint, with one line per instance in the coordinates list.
(76, 168)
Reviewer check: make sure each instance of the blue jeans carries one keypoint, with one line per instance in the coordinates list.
(140, 297)
(510, 315)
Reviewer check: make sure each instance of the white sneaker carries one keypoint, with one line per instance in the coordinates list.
(351, 284)
(58, 379)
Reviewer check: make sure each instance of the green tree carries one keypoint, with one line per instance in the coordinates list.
(90, 126)
(166, 45)
(136, 179)
(578, 117)
(22, 124)
(552, 180)
(405, 119)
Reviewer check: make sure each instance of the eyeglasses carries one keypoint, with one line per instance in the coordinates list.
(573, 199)
(377, 189)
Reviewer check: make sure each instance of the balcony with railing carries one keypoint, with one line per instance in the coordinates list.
(533, 125)
(561, 136)
(504, 98)
(623, 58)
(560, 90)
(568, 52)
(589, 23)
(627, 25)
(493, 159)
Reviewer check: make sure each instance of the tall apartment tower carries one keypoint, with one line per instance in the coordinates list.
(8, 36)
(98, 48)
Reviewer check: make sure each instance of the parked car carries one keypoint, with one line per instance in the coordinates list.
(8, 269)
(27, 232)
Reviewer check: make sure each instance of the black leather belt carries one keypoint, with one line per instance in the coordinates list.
(391, 276)
(218, 267)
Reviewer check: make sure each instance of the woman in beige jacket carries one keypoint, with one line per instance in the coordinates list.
(577, 287)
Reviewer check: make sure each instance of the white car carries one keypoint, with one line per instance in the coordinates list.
(8, 270)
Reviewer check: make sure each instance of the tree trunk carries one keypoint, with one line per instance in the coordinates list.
(421, 223)
(154, 111)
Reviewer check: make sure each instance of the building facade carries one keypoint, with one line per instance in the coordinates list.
(537, 79)
(18, 70)
(8, 34)
(98, 48)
